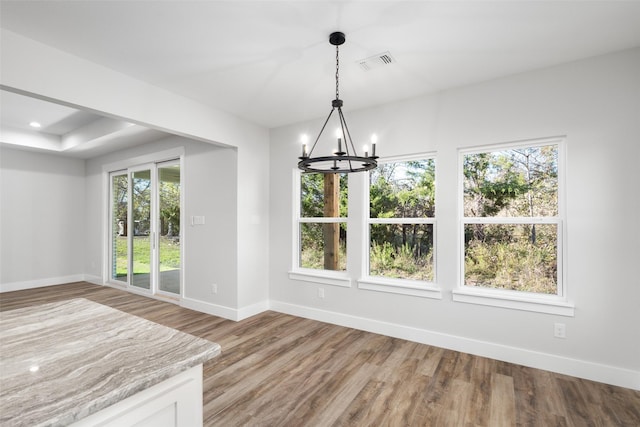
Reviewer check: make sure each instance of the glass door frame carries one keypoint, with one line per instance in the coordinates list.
(153, 246)
(112, 278)
(157, 290)
(127, 170)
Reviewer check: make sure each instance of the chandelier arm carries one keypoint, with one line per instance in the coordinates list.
(343, 129)
(347, 138)
(347, 134)
(321, 130)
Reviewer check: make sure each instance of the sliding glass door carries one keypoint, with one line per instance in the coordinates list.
(119, 224)
(169, 245)
(141, 226)
(145, 247)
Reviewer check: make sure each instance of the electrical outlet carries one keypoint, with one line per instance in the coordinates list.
(214, 288)
(559, 330)
(321, 293)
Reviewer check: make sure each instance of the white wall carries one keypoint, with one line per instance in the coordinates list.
(39, 70)
(596, 104)
(209, 184)
(42, 212)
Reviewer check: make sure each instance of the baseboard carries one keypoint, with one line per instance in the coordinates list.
(549, 362)
(204, 307)
(208, 308)
(40, 283)
(223, 311)
(253, 309)
(96, 280)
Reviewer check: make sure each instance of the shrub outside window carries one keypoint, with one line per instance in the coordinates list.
(402, 220)
(322, 222)
(511, 225)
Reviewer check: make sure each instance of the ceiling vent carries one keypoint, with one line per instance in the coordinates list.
(376, 61)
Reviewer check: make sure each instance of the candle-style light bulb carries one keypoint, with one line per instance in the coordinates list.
(339, 135)
(366, 150)
(304, 138)
(374, 139)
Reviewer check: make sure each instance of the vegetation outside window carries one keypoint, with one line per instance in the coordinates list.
(323, 221)
(119, 223)
(511, 218)
(402, 220)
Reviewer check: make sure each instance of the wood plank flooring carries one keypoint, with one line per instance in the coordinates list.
(280, 370)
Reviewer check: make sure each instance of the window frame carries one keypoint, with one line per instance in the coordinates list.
(327, 277)
(110, 243)
(419, 288)
(559, 303)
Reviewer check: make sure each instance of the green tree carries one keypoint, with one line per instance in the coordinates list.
(312, 206)
(491, 183)
(518, 182)
(169, 207)
(141, 201)
(402, 190)
(120, 203)
(539, 169)
(312, 195)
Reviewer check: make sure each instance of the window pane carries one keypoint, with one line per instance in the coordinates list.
(521, 257)
(169, 225)
(119, 206)
(323, 246)
(401, 251)
(141, 242)
(403, 190)
(518, 182)
(323, 195)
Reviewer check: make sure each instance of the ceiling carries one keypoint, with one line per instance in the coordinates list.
(64, 130)
(270, 62)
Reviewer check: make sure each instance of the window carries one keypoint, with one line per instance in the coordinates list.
(511, 228)
(321, 233)
(401, 226)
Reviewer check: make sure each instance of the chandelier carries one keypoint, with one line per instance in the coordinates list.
(345, 158)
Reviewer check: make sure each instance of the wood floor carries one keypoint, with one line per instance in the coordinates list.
(280, 370)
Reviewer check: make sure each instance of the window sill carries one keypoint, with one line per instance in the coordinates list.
(321, 276)
(495, 298)
(400, 286)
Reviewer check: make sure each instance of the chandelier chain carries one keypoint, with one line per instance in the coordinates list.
(337, 72)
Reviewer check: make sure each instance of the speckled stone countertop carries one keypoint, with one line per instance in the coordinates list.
(63, 361)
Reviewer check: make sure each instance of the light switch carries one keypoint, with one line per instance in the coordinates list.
(197, 220)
